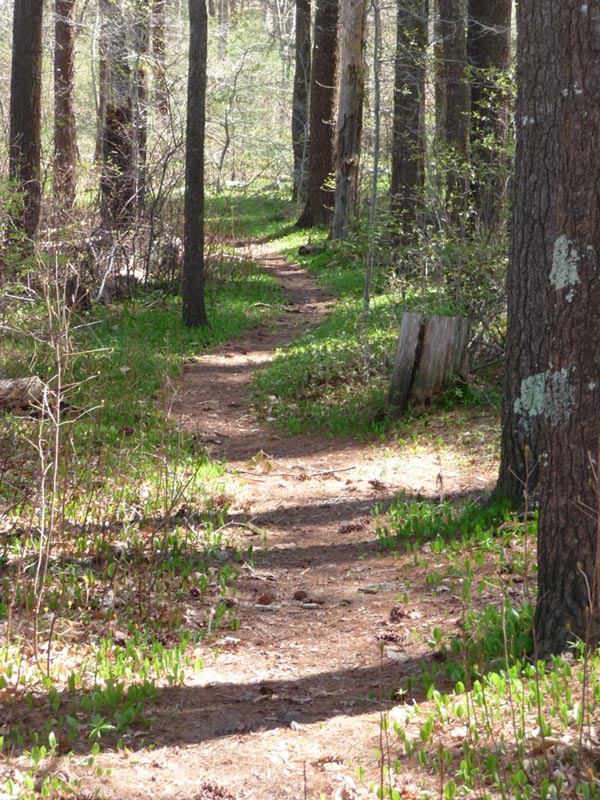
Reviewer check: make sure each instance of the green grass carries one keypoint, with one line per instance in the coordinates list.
(127, 510)
(334, 380)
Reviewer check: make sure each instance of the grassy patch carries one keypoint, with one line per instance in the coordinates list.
(114, 558)
(335, 379)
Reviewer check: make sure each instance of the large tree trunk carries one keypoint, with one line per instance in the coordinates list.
(323, 93)
(564, 97)
(300, 98)
(457, 102)
(194, 310)
(488, 50)
(407, 176)
(350, 113)
(25, 111)
(554, 289)
(117, 181)
(65, 136)
(532, 206)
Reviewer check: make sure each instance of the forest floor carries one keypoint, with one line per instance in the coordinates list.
(331, 627)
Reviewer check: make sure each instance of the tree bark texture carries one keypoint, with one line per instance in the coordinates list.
(407, 175)
(535, 176)
(300, 132)
(65, 135)
(554, 336)
(323, 94)
(25, 111)
(194, 309)
(431, 354)
(117, 181)
(457, 101)
(350, 113)
(488, 51)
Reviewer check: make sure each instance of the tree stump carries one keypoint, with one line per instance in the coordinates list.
(21, 393)
(431, 354)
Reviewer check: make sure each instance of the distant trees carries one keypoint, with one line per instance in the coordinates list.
(194, 309)
(300, 130)
(117, 181)
(25, 111)
(350, 113)
(323, 96)
(408, 136)
(64, 182)
(488, 51)
(457, 101)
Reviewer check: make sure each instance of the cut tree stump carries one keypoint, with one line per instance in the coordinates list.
(431, 354)
(21, 393)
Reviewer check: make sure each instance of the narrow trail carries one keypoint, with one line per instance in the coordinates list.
(288, 706)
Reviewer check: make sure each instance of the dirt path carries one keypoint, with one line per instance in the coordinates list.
(289, 705)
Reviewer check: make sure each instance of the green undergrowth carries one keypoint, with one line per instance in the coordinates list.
(335, 379)
(115, 555)
(521, 732)
(481, 718)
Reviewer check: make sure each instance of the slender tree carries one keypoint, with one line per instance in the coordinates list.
(488, 50)
(65, 135)
(407, 175)
(323, 93)
(25, 111)
(350, 113)
(194, 309)
(300, 98)
(554, 291)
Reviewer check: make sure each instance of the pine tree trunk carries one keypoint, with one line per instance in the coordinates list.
(350, 113)
(25, 111)
(194, 309)
(323, 92)
(65, 136)
(532, 205)
(556, 204)
(300, 98)
(407, 176)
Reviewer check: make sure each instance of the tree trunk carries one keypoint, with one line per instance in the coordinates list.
(65, 136)
(532, 205)
(407, 176)
(457, 96)
(350, 113)
(194, 310)
(300, 98)
(561, 71)
(117, 181)
(488, 50)
(18, 394)
(323, 92)
(25, 111)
